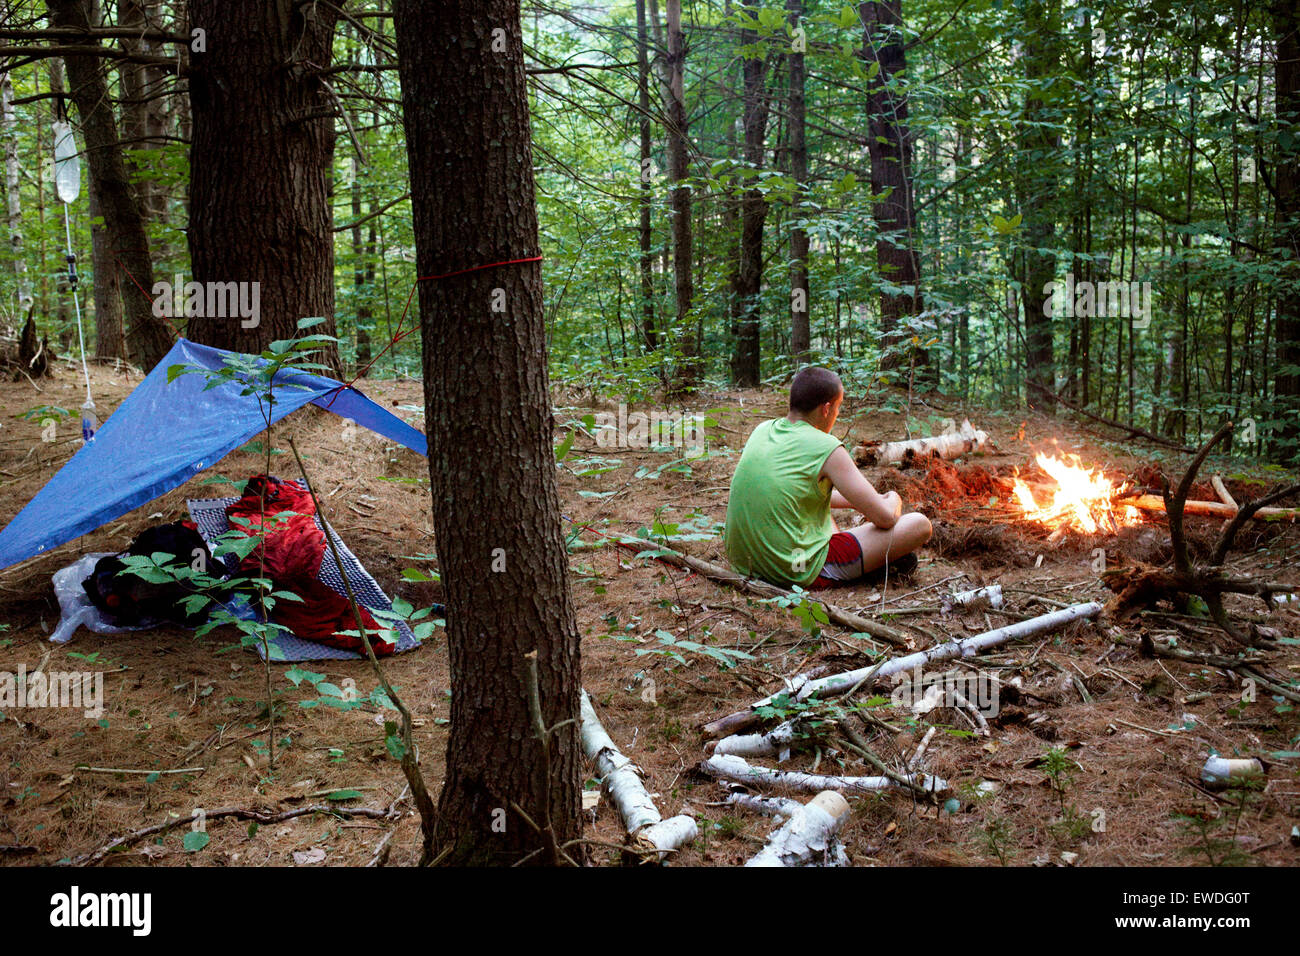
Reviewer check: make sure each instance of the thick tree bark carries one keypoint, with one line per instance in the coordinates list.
(261, 166)
(648, 329)
(110, 335)
(1286, 21)
(491, 464)
(889, 143)
(1038, 185)
(745, 363)
(800, 332)
(689, 371)
(147, 337)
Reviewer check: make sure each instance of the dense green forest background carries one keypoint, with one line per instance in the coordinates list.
(997, 144)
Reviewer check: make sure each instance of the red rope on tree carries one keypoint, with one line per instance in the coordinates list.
(401, 335)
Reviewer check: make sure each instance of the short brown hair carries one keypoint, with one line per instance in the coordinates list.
(813, 387)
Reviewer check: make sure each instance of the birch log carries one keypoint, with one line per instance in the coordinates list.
(731, 767)
(950, 445)
(621, 780)
(801, 688)
(1215, 509)
(1220, 772)
(990, 596)
(775, 741)
(769, 806)
(1222, 491)
(809, 836)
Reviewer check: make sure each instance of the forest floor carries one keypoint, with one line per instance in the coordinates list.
(1129, 790)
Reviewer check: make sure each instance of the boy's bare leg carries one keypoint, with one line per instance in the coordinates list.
(910, 532)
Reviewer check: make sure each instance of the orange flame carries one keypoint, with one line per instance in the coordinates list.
(1084, 499)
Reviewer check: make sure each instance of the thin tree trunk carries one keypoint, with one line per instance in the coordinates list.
(147, 337)
(800, 330)
(1038, 185)
(648, 329)
(745, 366)
(689, 371)
(488, 414)
(13, 200)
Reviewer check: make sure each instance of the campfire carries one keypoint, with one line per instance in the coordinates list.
(1083, 499)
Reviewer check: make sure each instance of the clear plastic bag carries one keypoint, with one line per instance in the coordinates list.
(67, 164)
(74, 603)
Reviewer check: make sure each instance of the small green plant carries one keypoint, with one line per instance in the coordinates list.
(1060, 771)
(997, 834)
(674, 647)
(1215, 832)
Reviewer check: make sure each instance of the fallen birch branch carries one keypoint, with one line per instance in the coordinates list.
(776, 741)
(990, 597)
(731, 767)
(726, 576)
(949, 445)
(809, 836)
(768, 806)
(801, 688)
(1215, 509)
(1222, 491)
(622, 782)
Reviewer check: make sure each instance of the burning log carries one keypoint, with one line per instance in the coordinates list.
(949, 445)
(731, 767)
(622, 781)
(801, 687)
(810, 835)
(1214, 509)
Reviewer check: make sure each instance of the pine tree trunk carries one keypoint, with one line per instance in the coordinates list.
(648, 329)
(147, 337)
(800, 331)
(261, 159)
(745, 365)
(1286, 22)
(1038, 185)
(889, 142)
(491, 464)
(689, 371)
(110, 335)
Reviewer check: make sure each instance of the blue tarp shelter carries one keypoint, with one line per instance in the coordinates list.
(165, 433)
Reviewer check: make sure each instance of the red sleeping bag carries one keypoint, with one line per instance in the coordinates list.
(291, 555)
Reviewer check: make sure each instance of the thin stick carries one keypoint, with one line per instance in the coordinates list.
(145, 772)
(410, 759)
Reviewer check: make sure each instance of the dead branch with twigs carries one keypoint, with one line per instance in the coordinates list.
(1141, 586)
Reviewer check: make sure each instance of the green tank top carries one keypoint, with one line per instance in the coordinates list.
(779, 512)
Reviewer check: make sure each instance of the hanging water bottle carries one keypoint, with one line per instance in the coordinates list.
(67, 164)
(89, 422)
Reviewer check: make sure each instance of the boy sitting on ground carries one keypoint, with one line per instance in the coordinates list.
(790, 475)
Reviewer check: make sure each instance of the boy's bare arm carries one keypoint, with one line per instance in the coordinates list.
(852, 490)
